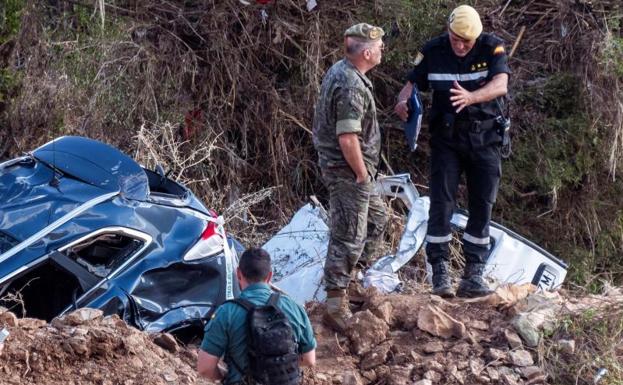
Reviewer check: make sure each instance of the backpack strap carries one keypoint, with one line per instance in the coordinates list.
(245, 303)
(274, 299)
(248, 306)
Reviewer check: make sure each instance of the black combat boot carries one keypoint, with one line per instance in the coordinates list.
(442, 284)
(472, 283)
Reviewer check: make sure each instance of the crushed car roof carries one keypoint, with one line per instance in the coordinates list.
(97, 164)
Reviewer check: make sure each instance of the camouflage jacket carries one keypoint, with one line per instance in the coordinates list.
(346, 105)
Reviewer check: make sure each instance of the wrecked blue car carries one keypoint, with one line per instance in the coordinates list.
(83, 225)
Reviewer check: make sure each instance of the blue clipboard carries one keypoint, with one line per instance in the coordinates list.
(414, 123)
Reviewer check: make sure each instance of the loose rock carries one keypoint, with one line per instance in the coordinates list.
(166, 341)
(351, 378)
(528, 331)
(433, 347)
(7, 318)
(521, 358)
(514, 341)
(400, 375)
(375, 357)
(434, 320)
(496, 356)
(365, 331)
(433, 376)
(567, 346)
(532, 373)
(81, 316)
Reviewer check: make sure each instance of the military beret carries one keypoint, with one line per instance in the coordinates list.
(465, 22)
(365, 31)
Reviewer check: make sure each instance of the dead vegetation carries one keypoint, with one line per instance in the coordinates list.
(225, 101)
(226, 97)
(566, 109)
(580, 37)
(597, 353)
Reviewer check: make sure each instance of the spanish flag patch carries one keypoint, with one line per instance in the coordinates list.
(498, 50)
(418, 59)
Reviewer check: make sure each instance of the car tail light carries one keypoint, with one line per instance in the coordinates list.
(209, 231)
(211, 241)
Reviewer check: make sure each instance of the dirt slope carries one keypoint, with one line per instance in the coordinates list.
(413, 338)
(86, 348)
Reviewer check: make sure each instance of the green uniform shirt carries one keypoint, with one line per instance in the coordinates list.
(226, 334)
(346, 105)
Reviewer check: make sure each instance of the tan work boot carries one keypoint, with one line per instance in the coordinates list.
(337, 312)
(356, 293)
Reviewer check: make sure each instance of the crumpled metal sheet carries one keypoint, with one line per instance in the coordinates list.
(414, 234)
(28, 202)
(298, 252)
(300, 249)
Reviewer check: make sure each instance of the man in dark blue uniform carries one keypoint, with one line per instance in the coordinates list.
(467, 72)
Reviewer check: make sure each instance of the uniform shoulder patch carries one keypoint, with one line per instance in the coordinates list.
(418, 58)
(438, 41)
(498, 50)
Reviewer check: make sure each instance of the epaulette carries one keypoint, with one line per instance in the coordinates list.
(491, 40)
(439, 41)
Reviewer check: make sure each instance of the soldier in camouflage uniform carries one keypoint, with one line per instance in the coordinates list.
(348, 140)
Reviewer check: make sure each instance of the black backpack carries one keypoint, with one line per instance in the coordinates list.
(273, 352)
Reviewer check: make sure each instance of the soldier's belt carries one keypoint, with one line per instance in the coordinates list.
(475, 125)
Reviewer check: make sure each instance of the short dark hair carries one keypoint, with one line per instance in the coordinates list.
(254, 264)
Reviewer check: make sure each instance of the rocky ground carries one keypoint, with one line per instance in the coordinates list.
(413, 338)
(423, 339)
(86, 348)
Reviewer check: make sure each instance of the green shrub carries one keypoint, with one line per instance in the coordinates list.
(10, 16)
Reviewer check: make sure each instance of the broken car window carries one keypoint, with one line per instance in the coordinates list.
(104, 253)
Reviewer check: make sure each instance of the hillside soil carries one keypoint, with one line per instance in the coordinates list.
(398, 339)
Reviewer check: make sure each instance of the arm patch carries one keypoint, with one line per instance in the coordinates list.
(418, 58)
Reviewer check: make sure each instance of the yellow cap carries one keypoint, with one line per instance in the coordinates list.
(465, 22)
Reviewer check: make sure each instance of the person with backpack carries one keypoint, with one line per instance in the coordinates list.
(263, 336)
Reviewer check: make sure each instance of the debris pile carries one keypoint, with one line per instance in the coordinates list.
(85, 347)
(423, 339)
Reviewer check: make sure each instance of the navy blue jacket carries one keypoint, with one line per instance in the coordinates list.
(438, 67)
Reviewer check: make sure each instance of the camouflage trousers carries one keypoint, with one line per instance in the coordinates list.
(358, 217)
